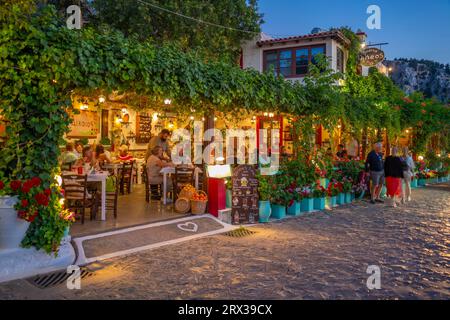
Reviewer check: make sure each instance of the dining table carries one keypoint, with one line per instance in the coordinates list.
(167, 171)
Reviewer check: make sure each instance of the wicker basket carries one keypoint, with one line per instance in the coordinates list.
(198, 206)
(182, 205)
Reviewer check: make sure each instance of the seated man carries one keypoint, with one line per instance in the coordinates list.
(68, 157)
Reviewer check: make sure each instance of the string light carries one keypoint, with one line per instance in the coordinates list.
(194, 19)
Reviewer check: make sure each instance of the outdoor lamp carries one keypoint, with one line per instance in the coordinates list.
(84, 107)
(420, 158)
(101, 99)
(167, 101)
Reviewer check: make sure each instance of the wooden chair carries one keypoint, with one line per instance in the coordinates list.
(126, 176)
(152, 191)
(182, 177)
(112, 196)
(77, 196)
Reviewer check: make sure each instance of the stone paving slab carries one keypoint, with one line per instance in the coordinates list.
(152, 235)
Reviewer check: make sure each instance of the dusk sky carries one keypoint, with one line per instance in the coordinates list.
(413, 28)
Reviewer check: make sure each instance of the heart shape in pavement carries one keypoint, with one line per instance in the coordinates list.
(188, 226)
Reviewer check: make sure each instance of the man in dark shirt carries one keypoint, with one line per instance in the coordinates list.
(375, 165)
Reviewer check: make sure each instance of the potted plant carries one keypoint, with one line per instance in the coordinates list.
(264, 190)
(279, 200)
(294, 206)
(307, 204)
(332, 192)
(22, 203)
(319, 195)
(12, 226)
(105, 141)
(347, 188)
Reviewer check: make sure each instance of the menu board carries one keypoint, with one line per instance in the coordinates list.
(143, 128)
(84, 125)
(244, 200)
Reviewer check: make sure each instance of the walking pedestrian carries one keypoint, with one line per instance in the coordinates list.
(408, 173)
(393, 171)
(374, 165)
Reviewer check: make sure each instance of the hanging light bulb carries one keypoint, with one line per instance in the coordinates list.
(203, 118)
(271, 115)
(192, 118)
(101, 99)
(265, 114)
(215, 118)
(167, 101)
(84, 107)
(171, 125)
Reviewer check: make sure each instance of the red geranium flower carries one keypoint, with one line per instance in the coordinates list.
(25, 203)
(22, 214)
(15, 185)
(42, 199)
(36, 181)
(31, 218)
(48, 192)
(2, 185)
(27, 186)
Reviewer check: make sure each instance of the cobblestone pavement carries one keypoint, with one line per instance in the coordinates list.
(317, 256)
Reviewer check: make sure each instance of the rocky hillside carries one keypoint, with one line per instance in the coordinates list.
(429, 77)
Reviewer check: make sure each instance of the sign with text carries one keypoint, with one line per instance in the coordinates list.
(370, 57)
(84, 125)
(244, 195)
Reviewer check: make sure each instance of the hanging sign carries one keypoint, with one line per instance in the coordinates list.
(370, 57)
(244, 195)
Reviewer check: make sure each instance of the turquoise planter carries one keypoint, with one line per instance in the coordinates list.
(294, 209)
(414, 183)
(319, 203)
(228, 196)
(332, 201)
(278, 211)
(341, 198)
(307, 205)
(66, 232)
(353, 196)
(264, 211)
(348, 197)
(421, 182)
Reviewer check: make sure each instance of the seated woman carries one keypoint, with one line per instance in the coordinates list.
(123, 154)
(88, 157)
(154, 166)
(101, 155)
(68, 157)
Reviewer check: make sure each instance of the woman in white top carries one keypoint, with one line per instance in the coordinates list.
(408, 173)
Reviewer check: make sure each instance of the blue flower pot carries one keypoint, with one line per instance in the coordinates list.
(307, 205)
(341, 198)
(319, 203)
(331, 201)
(353, 196)
(414, 183)
(421, 182)
(278, 211)
(66, 232)
(264, 211)
(294, 209)
(348, 197)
